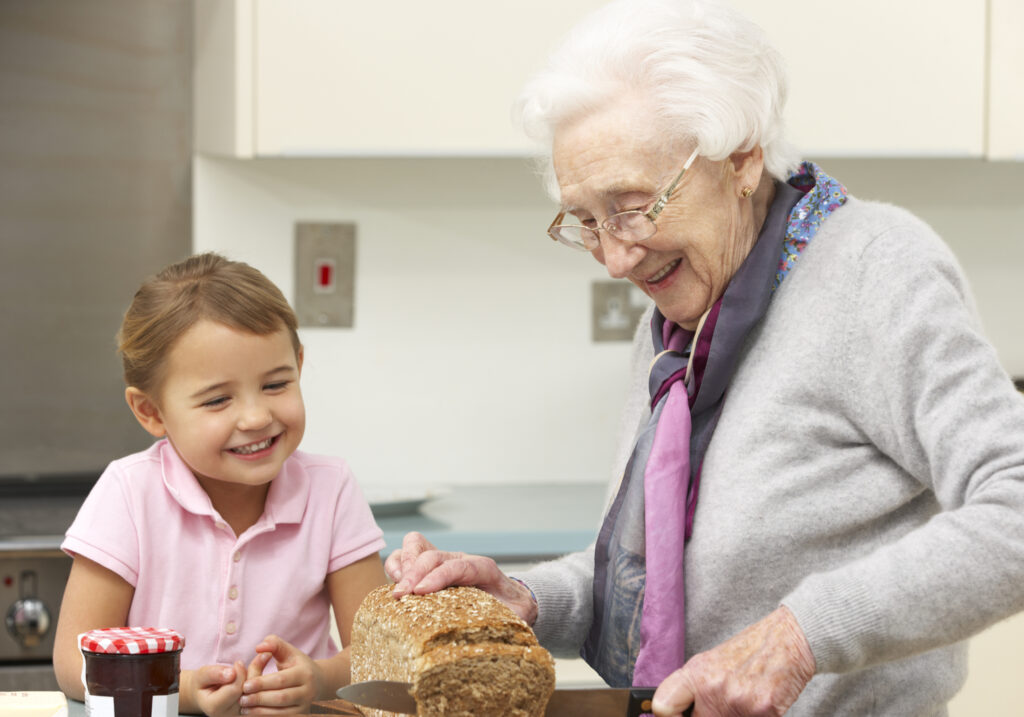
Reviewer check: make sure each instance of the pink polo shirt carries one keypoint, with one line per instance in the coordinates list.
(148, 520)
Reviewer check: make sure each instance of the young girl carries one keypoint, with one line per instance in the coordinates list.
(221, 530)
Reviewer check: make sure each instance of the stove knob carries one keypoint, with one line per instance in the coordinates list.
(28, 621)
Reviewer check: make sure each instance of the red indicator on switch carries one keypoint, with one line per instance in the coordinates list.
(324, 276)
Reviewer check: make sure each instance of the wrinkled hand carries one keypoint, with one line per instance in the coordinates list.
(292, 689)
(218, 688)
(760, 671)
(418, 567)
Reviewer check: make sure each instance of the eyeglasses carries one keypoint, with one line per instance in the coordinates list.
(633, 225)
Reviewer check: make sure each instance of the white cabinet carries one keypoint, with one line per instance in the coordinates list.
(330, 78)
(881, 77)
(1006, 73)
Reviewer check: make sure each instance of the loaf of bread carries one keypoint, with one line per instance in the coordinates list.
(464, 652)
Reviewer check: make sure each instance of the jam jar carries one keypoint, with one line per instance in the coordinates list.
(131, 671)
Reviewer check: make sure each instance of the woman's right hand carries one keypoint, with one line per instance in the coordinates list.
(420, 568)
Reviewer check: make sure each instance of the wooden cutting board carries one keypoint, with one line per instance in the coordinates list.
(336, 707)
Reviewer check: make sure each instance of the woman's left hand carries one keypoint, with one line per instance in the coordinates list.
(291, 689)
(418, 567)
(760, 671)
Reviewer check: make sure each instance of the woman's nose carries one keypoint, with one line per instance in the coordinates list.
(619, 257)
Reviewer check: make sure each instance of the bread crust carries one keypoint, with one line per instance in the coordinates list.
(464, 652)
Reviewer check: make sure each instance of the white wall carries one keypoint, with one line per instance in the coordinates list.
(471, 358)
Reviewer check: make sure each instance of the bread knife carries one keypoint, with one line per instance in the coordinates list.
(381, 695)
(581, 702)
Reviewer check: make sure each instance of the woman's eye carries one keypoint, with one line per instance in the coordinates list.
(634, 202)
(634, 206)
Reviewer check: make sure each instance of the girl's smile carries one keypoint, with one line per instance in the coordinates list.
(255, 450)
(230, 405)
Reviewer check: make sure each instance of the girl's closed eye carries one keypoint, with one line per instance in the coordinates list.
(276, 386)
(217, 402)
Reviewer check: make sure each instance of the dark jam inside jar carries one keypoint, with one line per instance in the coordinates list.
(132, 680)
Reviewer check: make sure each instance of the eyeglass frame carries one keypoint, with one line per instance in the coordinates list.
(651, 215)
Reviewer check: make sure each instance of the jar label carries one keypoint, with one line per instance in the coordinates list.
(98, 706)
(161, 706)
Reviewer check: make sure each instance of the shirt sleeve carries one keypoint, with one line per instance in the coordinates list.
(104, 530)
(928, 391)
(356, 533)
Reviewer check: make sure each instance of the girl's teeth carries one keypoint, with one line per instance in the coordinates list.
(253, 447)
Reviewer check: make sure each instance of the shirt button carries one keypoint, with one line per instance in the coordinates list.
(230, 628)
(221, 525)
(233, 592)
(237, 556)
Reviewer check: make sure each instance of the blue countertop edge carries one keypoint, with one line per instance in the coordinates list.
(510, 546)
(512, 523)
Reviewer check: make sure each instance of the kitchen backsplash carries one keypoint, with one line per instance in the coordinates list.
(471, 359)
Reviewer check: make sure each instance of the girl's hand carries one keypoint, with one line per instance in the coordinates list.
(297, 682)
(214, 689)
(760, 671)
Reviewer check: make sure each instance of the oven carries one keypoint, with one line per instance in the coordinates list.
(33, 573)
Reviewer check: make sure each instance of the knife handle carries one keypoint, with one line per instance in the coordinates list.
(640, 702)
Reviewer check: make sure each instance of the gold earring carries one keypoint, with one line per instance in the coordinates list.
(747, 191)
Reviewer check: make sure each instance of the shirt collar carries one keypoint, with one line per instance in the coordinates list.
(286, 499)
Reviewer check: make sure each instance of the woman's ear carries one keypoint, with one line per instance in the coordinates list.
(748, 167)
(146, 411)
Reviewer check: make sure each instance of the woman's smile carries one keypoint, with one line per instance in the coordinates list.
(659, 276)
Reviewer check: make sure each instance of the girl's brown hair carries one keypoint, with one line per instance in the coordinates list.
(204, 286)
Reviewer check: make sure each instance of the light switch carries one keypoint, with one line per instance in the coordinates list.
(616, 307)
(325, 258)
(324, 272)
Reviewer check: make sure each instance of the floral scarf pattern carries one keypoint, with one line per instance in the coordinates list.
(822, 196)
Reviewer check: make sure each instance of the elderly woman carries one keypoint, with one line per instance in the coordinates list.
(822, 493)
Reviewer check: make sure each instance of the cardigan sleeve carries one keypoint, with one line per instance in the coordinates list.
(927, 390)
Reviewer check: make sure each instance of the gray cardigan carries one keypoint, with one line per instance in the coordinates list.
(867, 471)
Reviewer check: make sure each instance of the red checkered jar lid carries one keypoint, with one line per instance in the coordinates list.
(131, 640)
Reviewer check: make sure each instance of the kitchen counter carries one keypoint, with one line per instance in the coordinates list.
(510, 523)
(340, 707)
(522, 522)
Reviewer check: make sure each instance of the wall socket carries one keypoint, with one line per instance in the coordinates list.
(616, 307)
(325, 267)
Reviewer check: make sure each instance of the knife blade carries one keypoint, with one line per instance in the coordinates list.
(381, 695)
(600, 702)
(574, 702)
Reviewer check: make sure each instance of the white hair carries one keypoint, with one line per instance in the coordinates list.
(710, 75)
